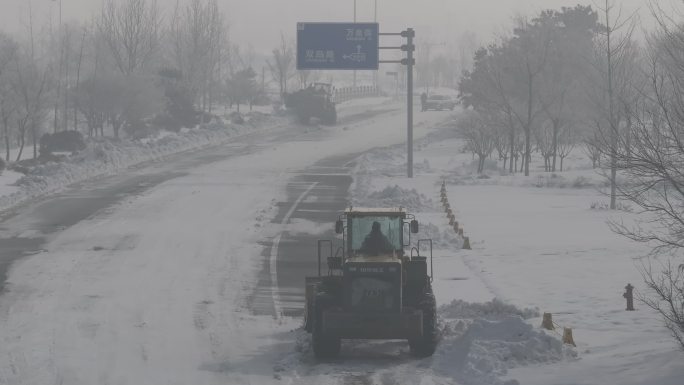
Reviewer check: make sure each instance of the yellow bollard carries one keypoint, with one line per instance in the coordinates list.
(466, 244)
(567, 337)
(547, 321)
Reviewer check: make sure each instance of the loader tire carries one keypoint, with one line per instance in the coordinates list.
(425, 346)
(324, 344)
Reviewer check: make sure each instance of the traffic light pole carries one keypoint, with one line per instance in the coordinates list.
(409, 62)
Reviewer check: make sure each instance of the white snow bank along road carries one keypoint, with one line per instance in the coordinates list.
(106, 156)
(154, 290)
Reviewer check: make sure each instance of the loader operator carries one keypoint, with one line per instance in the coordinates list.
(376, 242)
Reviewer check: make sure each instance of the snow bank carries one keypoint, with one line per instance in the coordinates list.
(106, 156)
(494, 309)
(486, 349)
(446, 238)
(481, 341)
(394, 196)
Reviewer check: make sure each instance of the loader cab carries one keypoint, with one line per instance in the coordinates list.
(375, 233)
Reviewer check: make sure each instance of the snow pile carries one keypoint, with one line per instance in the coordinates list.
(441, 238)
(482, 341)
(494, 309)
(106, 156)
(488, 348)
(395, 196)
(388, 162)
(492, 177)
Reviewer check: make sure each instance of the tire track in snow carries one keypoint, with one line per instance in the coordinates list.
(274, 252)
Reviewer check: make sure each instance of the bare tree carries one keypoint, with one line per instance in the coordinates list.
(668, 287)
(306, 77)
(8, 51)
(615, 54)
(282, 64)
(651, 158)
(479, 136)
(31, 85)
(131, 32)
(199, 35)
(566, 142)
(592, 150)
(546, 139)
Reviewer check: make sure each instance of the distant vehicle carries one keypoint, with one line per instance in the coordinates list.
(439, 103)
(315, 101)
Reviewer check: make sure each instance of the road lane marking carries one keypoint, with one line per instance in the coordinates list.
(274, 252)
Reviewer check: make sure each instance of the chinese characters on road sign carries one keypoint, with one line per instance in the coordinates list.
(339, 46)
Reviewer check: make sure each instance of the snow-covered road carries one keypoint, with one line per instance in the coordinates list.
(156, 288)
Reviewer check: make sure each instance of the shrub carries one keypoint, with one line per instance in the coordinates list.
(65, 141)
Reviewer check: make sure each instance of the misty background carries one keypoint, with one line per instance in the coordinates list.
(258, 22)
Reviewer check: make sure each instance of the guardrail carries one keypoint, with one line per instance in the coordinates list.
(343, 94)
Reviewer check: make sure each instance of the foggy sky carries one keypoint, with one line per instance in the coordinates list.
(259, 22)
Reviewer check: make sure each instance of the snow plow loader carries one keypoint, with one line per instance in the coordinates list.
(377, 285)
(315, 101)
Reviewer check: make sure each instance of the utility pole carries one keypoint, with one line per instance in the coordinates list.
(409, 99)
(409, 34)
(354, 81)
(375, 20)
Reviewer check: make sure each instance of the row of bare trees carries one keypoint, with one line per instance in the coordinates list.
(529, 87)
(130, 65)
(577, 77)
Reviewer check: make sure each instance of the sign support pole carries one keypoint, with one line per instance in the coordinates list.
(409, 100)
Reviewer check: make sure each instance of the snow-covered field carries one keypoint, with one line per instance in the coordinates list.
(154, 290)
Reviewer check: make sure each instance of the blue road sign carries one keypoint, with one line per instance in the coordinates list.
(337, 46)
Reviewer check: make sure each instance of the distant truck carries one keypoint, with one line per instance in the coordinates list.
(315, 101)
(439, 103)
(377, 285)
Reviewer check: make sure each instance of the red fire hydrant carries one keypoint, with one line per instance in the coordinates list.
(629, 296)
